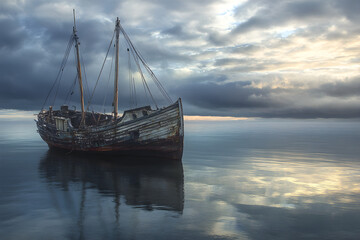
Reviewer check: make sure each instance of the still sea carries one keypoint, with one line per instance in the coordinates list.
(244, 179)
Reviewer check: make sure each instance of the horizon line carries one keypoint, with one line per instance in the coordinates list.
(23, 114)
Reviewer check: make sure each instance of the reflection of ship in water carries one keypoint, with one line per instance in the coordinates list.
(155, 185)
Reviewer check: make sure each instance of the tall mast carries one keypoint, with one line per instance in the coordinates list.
(117, 29)
(76, 38)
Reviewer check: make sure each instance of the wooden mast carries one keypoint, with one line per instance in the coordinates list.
(76, 38)
(115, 103)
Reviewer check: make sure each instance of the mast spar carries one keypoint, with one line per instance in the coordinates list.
(76, 38)
(141, 132)
(115, 103)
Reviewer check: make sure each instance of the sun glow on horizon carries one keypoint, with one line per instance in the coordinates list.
(16, 114)
(214, 118)
(20, 114)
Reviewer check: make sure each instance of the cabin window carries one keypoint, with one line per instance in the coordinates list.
(134, 116)
(60, 124)
(144, 113)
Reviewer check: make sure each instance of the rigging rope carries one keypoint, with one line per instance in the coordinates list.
(137, 57)
(57, 89)
(133, 101)
(133, 83)
(71, 92)
(151, 73)
(107, 86)
(102, 67)
(136, 60)
(130, 83)
(62, 66)
(60, 77)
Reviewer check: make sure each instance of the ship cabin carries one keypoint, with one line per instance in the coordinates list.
(136, 113)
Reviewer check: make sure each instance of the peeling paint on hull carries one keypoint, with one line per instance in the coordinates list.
(158, 134)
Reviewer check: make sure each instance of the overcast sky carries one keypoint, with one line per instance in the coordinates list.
(255, 58)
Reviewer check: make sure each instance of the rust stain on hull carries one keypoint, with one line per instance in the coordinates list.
(140, 131)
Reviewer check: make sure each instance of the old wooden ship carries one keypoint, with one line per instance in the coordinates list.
(140, 131)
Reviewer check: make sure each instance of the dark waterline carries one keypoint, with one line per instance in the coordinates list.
(262, 179)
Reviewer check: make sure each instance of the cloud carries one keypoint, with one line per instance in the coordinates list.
(349, 8)
(296, 224)
(13, 35)
(279, 13)
(257, 58)
(349, 88)
(249, 99)
(246, 49)
(224, 96)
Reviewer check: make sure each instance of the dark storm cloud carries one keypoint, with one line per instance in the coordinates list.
(350, 8)
(12, 35)
(329, 110)
(243, 65)
(198, 58)
(178, 31)
(32, 51)
(23, 83)
(157, 54)
(340, 89)
(278, 13)
(180, 6)
(230, 61)
(224, 96)
(243, 99)
(246, 49)
(317, 15)
(217, 39)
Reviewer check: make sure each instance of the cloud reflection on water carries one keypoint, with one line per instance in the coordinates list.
(265, 187)
(258, 179)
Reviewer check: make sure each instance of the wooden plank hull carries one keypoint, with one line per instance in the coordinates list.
(158, 134)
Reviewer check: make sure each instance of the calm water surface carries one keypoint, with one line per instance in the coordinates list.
(259, 179)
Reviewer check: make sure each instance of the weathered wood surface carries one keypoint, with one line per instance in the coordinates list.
(158, 133)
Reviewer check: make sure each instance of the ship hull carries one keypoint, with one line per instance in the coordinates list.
(158, 134)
